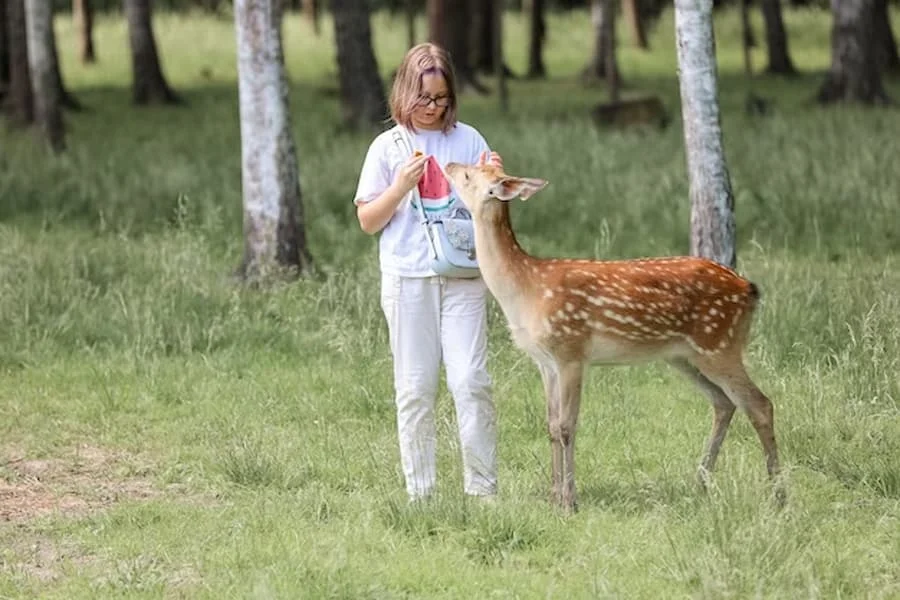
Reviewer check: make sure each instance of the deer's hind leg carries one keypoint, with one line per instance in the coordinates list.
(723, 411)
(732, 378)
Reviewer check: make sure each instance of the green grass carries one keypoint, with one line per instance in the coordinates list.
(164, 433)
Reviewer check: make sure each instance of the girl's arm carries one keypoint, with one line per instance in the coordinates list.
(374, 215)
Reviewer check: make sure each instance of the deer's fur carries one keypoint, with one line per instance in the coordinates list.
(691, 312)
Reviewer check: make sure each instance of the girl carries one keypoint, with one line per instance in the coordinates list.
(429, 318)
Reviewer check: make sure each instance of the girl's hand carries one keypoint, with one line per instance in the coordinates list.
(410, 173)
(493, 159)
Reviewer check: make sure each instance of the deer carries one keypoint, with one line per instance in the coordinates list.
(567, 314)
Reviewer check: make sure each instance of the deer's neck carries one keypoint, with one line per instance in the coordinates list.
(506, 268)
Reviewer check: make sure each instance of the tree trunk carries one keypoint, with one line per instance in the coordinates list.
(712, 201)
(537, 34)
(632, 12)
(886, 43)
(747, 39)
(20, 101)
(66, 99)
(363, 103)
(274, 236)
(776, 39)
(497, 52)
(84, 20)
(609, 52)
(854, 75)
(596, 66)
(39, 18)
(311, 12)
(149, 86)
(410, 23)
(449, 28)
(4, 53)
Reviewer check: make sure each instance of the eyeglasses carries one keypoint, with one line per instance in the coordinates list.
(439, 101)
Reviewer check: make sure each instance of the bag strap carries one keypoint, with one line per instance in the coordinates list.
(406, 147)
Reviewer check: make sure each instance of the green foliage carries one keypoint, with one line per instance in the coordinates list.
(168, 433)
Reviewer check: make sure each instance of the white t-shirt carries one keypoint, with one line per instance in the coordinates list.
(403, 247)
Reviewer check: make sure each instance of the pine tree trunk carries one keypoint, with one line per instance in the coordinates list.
(776, 39)
(274, 236)
(537, 33)
(854, 75)
(596, 66)
(363, 102)
(149, 86)
(886, 43)
(84, 20)
(449, 23)
(20, 101)
(4, 53)
(48, 114)
(632, 12)
(712, 200)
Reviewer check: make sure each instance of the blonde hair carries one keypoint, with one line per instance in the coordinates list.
(420, 60)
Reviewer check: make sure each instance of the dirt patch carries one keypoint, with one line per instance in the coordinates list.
(80, 481)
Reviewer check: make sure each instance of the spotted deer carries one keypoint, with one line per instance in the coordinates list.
(566, 314)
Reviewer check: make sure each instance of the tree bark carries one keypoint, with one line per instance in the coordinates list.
(48, 114)
(311, 11)
(363, 102)
(886, 43)
(148, 86)
(632, 12)
(4, 53)
(596, 66)
(609, 52)
(274, 236)
(712, 200)
(537, 35)
(448, 27)
(497, 52)
(776, 39)
(854, 75)
(84, 20)
(20, 101)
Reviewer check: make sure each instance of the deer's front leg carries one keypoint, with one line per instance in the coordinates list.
(550, 378)
(570, 382)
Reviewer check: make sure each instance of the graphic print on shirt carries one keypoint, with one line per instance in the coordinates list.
(434, 189)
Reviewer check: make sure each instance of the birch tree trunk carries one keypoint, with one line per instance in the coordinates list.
(855, 75)
(149, 86)
(274, 237)
(363, 102)
(20, 101)
(48, 114)
(712, 201)
(84, 19)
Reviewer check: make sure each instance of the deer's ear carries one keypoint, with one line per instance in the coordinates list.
(511, 187)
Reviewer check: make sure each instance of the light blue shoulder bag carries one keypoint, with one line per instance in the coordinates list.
(451, 238)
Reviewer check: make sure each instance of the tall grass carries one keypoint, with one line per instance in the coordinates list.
(264, 421)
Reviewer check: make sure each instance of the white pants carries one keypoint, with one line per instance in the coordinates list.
(429, 319)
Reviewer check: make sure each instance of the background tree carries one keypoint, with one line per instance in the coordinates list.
(855, 74)
(363, 102)
(148, 86)
(631, 9)
(83, 15)
(274, 236)
(449, 24)
(712, 201)
(537, 33)
(776, 39)
(19, 101)
(596, 66)
(886, 43)
(39, 18)
(4, 53)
